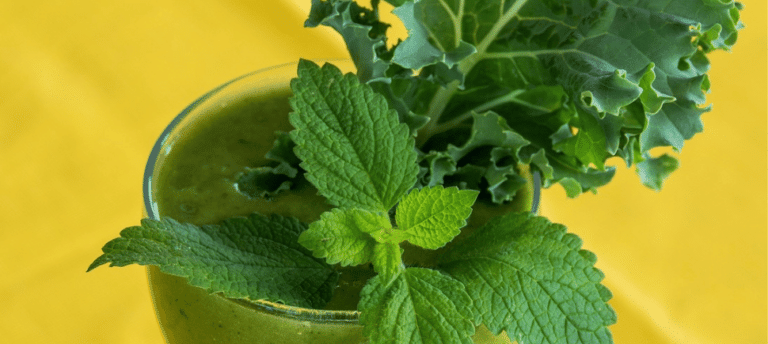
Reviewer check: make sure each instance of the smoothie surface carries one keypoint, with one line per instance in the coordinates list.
(196, 179)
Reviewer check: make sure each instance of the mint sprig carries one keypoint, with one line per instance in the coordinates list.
(257, 257)
(354, 149)
(348, 163)
(418, 306)
(529, 277)
(518, 273)
(428, 302)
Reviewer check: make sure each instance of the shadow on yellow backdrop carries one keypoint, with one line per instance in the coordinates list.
(88, 86)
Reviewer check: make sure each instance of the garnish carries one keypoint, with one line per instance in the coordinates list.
(506, 276)
(478, 93)
(351, 145)
(581, 82)
(532, 279)
(404, 305)
(418, 306)
(257, 257)
(279, 175)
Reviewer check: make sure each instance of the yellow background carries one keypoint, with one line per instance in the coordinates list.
(87, 86)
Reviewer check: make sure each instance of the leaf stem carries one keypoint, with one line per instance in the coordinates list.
(441, 98)
(507, 98)
(500, 24)
(436, 108)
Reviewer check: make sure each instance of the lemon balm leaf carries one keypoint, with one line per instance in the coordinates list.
(353, 147)
(341, 236)
(418, 306)
(257, 257)
(531, 278)
(433, 216)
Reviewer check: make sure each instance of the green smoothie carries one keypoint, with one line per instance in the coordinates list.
(199, 174)
(195, 181)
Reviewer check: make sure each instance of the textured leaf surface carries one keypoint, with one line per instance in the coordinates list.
(266, 182)
(341, 235)
(581, 81)
(424, 47)
(361, 30)
(433, 216)
(464, 166)
(278, 175)
(654, 171)
(353, 147)
(387, 260)
(529, 277)
(256, 257)
(419, 306)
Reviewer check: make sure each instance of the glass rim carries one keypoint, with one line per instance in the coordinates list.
(278, 309)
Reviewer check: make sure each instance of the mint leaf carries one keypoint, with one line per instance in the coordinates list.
(352, 146)
(418, 306)
(257, 257)
(388, 235)
(433, 216)
(530, 278)
(341, 235)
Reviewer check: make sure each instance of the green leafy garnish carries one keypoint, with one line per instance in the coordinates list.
(433, 216)
(352, 146)
(360, 230)
(278, 175)
(341, 236)
(653, 171)
(495, 166)
(530, 278)
(419, 306)
(257, 257)
(477, 95)
(581, 82)
(349, 163)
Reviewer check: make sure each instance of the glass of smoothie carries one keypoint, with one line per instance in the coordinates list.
(191, 176)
